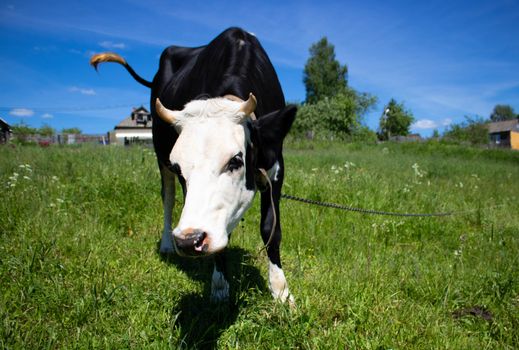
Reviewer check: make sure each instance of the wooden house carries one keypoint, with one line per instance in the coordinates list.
(5, 131)
(136, 128)
(504, 134)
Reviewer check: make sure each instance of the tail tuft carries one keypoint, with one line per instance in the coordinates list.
(106, 57)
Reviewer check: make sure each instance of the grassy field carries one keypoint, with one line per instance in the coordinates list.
(79, 267)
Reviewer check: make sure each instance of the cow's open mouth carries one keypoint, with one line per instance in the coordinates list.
(201, 245)
(191, 242)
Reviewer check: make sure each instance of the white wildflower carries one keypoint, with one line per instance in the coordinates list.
(417, 171)
(349, 165)
(26, 167)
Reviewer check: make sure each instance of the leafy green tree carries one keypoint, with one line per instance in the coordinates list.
(502, 112)
(395, 121)
(22, 132)
(71, 131)
(46, 131)
(472, 130)
(323, 75)
(332, 109)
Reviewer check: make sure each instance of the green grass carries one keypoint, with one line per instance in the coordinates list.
(79, 268)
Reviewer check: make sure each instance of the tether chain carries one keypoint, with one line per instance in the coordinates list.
(360, 210)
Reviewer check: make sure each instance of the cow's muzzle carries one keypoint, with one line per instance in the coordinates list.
(192, 242)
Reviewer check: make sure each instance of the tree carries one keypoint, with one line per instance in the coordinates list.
(71, 131)
(332, 109)
(323, 75)
(395, 121)
(23, 132)
(502, 112)
(472, 130)
(46, 131)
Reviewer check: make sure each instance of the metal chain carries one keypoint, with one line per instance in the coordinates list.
(360, 210)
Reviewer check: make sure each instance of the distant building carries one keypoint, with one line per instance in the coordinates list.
(5, 131)
(504, 134)
(134, 129)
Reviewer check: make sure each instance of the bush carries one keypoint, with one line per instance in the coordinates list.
(333, 117)
(473, 131)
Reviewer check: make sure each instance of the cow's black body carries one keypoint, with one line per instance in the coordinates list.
(234, 63)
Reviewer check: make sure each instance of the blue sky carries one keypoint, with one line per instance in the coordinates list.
(443, 59)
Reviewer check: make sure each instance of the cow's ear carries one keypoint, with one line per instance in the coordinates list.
(269, 132)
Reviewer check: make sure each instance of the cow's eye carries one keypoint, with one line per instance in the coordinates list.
(235, 163)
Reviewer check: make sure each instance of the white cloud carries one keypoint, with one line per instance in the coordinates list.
(84, 91)
(425, 124)
(47, 116)
(111, 45)
(447, 122)
(21, 112)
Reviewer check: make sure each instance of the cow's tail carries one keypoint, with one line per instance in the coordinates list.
(113, 57)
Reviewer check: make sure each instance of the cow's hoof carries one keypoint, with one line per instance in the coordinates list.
(286, 298)
(291, 301)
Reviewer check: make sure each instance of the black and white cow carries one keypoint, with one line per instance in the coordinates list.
(219, 116)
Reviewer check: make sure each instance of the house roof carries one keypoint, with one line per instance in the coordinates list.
(140, 109)
(128, 123)
(506, 125)
(131, 123)
(4, 125)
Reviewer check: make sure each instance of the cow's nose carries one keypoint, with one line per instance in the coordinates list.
(192, 242)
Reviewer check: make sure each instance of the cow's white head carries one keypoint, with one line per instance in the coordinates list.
(213, 162)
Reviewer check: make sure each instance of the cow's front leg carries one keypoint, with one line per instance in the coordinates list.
(219, 284)
(168, 201)
(269, 205)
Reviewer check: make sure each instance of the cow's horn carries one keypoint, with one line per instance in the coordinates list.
(165, 114)
(249, 106)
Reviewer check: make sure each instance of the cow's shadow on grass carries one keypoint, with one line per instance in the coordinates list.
(200, 322)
